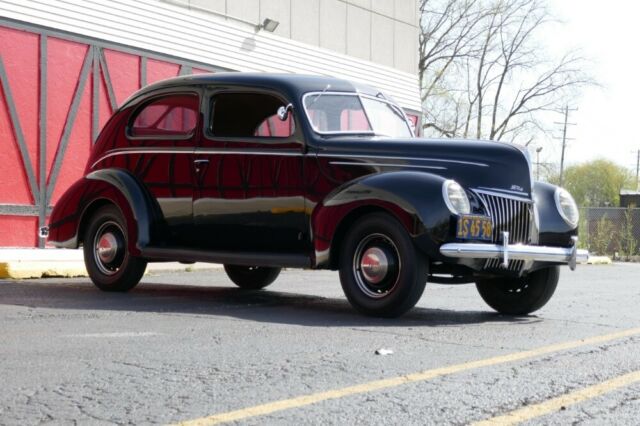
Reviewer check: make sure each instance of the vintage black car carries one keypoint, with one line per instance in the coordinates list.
(262, 171)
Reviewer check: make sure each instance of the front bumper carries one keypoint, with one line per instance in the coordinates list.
(506, 251)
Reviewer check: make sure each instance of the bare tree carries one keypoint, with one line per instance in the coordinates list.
(449, 29)
(482, 68)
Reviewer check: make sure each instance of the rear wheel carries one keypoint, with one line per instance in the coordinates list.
(381, 272)
(251, 277)
(522, 295)
(106, 252)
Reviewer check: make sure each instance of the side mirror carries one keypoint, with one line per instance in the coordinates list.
(283, 112)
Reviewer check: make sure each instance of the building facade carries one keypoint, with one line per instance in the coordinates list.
(66, 65)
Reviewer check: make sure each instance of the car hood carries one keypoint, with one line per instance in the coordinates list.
(484, 165)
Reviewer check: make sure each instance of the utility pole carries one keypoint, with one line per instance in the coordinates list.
(564, 139)
(638, 170)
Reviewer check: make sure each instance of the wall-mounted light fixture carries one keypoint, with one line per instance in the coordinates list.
(268, 25)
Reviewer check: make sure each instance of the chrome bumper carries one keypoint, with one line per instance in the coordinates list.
(506, 251)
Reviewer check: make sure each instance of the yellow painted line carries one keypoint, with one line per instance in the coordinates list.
(301, 401)
(552, 405)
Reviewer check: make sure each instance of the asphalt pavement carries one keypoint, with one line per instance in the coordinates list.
(190, 346)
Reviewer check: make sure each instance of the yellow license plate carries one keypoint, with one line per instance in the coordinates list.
(474, 228)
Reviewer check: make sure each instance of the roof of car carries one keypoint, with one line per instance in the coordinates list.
(291, 84)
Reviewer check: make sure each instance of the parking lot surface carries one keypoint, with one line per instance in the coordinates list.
(190, 347)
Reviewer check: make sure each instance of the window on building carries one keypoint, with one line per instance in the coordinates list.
(236, 115)
(170, 116)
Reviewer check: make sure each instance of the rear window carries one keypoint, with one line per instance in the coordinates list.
(169, 116)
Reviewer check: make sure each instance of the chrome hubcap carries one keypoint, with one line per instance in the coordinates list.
(374, 265)
(107, 247)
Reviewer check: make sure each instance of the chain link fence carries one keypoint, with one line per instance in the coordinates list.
(611, 231)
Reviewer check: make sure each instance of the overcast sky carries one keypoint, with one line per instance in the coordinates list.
(608, 118)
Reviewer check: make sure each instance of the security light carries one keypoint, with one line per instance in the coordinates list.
(268, 25)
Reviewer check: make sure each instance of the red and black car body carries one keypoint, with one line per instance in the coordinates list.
(248, 170)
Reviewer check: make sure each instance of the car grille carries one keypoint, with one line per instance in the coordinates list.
(511, 215)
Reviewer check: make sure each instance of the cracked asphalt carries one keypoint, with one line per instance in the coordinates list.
(182, 346)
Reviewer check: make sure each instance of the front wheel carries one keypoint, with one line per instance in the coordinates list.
(522, 295)
(251, 277)
(381, 272)
(106, 252)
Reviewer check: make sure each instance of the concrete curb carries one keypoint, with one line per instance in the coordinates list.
(599, 260)
(17, 263)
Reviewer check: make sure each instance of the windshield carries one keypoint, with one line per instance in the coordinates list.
(349, 113)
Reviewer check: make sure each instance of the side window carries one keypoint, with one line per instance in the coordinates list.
(169, 116)
(236, 115)
(273, 127)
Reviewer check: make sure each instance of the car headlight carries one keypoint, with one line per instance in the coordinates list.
(567, 207)
(455, 197)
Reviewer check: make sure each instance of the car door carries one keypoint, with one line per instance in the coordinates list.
(250, 193)
(162, 135)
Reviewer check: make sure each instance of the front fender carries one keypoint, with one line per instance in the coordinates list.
(414, 198)
(108, 185)
(552, 228)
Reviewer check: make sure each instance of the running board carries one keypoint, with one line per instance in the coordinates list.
(283, 260)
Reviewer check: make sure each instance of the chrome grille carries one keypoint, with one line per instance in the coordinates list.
(511, 215)
(514, 265)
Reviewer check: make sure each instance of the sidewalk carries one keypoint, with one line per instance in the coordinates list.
(19, 263)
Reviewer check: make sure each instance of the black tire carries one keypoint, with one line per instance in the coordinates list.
(106, 252)
(251, 277)
(382, 291)
(520, 296)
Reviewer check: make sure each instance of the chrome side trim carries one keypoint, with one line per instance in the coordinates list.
(352, 163)
(126, 151)
(280, 153)
(567, 255)
(274, 153)
(385, 157)
(196, 151)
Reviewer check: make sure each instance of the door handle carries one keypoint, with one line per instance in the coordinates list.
(199, 162)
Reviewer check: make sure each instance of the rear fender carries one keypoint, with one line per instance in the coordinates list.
(113, 186)
(413, 198)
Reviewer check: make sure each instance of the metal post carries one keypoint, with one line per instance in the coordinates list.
(538, 149)
(638, 170)
(43, 201)
(564, 142)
